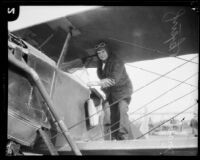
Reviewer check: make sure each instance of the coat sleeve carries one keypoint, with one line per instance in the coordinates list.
(116, 71)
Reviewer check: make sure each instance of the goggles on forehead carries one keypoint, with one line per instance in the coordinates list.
(100, 45)
(100, 51)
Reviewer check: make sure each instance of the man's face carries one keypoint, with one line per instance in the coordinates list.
(102, 54)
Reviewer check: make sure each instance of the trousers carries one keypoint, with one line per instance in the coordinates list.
(120, 123)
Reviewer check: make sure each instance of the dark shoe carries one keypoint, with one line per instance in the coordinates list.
(121, 136)
(113, 139)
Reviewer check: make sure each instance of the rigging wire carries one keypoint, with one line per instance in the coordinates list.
(164, 93)
(186, 60)
(84, 69)
(118, 100)
(167, 120)
(140, 107)
(163, 75)
(149, 49)
(155, 98)
(124, 96)
(159, 74)
(129, 95)
(150, 112)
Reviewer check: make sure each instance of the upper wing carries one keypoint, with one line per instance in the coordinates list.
(134, 33)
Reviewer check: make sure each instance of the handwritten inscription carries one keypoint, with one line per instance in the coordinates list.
(175, 39)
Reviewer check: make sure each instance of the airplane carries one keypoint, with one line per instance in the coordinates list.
(51, 112)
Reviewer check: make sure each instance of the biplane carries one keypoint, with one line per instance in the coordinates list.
(50, 111)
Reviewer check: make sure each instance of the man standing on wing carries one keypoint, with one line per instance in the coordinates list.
(117, 86)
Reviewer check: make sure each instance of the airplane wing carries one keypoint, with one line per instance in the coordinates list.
(134, 33)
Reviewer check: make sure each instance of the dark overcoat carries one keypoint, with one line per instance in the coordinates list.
(115, 70)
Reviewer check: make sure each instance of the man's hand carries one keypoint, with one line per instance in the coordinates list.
(103, 83)
(93, 83)
(106, 82)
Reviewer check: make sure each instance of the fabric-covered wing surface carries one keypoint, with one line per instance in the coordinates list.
(134, 33)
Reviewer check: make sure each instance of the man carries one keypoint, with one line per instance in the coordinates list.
(117, 86)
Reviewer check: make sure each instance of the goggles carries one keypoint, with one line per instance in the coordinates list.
(100, 45)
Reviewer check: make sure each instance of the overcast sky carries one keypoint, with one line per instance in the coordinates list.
(161, 66)
(32, 15)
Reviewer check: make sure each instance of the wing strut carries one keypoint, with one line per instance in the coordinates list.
(61, 59)
(34, 76)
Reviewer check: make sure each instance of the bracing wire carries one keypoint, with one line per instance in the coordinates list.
(167, 120)
(162, 94)
(159, 74)
(163, 75)
(139, 117)
(148, 49)
(186, 60)
(156, 98)
(125, 96)
(150, 112)
(118, 101)
(98, 112)
(129, 95)
(58, 132)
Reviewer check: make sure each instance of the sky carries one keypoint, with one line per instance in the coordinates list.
(28, 15)
(138, 77)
